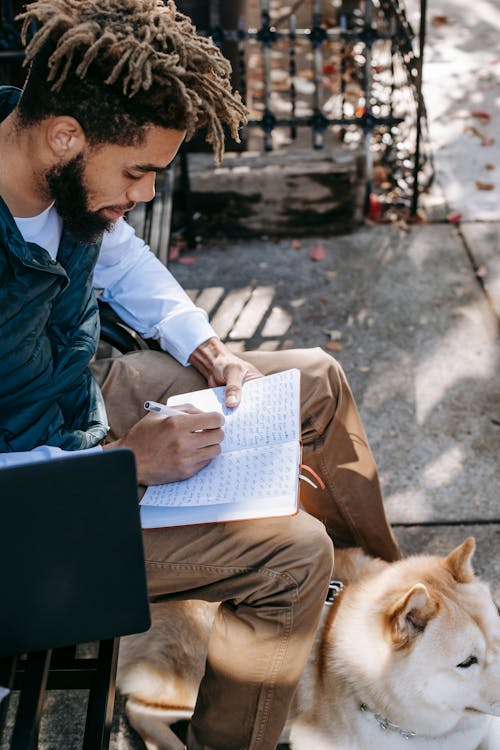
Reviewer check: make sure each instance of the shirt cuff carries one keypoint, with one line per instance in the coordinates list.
(181, 340)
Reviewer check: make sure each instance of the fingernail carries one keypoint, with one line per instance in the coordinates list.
(232, 400)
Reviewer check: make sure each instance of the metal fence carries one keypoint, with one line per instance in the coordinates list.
(320, 73)
(346, 72)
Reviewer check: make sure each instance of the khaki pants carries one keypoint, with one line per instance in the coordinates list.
(271, 575)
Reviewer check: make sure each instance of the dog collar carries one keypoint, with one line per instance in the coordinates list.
(387, 725)
(334, 589)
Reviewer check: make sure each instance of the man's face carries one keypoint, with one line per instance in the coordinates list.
(97, 187)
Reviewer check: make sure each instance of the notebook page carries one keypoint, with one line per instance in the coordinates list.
(251, 475)
(268, 412)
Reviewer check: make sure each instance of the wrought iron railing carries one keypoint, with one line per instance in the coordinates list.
(363, 86)
(350, 76)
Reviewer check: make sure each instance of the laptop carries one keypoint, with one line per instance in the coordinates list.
(71, 554)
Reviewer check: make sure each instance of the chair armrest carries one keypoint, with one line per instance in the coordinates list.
(118, 334)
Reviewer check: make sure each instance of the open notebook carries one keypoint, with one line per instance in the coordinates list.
(256, 474)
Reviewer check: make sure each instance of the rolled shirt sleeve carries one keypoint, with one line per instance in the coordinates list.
(143, 292)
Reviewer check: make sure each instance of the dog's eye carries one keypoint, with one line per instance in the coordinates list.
(468, 662)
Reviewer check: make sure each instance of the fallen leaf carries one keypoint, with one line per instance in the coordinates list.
(379, 175)
(485, 140)
(318, 252)
(439, 20)
(454, 217)
(296, 244)
(489, 167)
(173, 252)
(495, 421)
(482, 185)
(481, 272)
(481, 114)
(334, 346)
(418, 218)
(374, 208)
(187, 260)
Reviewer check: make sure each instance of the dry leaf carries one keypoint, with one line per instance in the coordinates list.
(455, 217)
(489, 167)
(187, 260)
(482, 185)
(296, 244)
(334, 346)
(318, 252)
(481, 272)
(173, 252)
(485, 140)
(374, 208)
(379, 175)
(481, 114)
(439, 20)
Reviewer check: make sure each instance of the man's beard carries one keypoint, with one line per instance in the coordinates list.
(66, 187)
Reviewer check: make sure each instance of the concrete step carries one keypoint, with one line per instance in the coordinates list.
(277, 194)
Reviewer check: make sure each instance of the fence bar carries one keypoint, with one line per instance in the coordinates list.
(420, 102)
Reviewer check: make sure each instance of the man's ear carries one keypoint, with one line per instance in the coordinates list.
(65, 137)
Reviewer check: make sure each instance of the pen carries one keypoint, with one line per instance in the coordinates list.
(162, 409)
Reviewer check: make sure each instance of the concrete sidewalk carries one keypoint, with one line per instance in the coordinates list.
(412, 325)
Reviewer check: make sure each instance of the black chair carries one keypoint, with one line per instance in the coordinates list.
(71, 572)
(118, 334)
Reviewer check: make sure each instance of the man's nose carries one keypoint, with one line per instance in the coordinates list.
(143, 190)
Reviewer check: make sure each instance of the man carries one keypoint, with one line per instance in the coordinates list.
(113, 89)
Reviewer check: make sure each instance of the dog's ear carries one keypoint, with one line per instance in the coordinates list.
(459, 561)
(410, 614)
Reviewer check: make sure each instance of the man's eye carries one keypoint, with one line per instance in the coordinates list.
(133, 176)
(468, 662)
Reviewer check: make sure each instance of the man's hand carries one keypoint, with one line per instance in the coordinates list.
(221, 367)
(167, 449)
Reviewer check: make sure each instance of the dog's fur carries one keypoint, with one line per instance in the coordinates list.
(416, 643)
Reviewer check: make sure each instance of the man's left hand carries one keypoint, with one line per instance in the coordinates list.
(221, 367)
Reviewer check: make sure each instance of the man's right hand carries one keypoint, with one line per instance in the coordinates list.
(168, 449)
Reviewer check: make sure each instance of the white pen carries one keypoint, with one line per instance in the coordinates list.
(162, 409)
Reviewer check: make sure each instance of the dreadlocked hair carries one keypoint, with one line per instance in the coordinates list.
(119, 66)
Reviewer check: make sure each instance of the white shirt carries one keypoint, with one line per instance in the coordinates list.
(139, 288)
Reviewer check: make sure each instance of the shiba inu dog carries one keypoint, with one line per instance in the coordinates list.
(406, 656)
